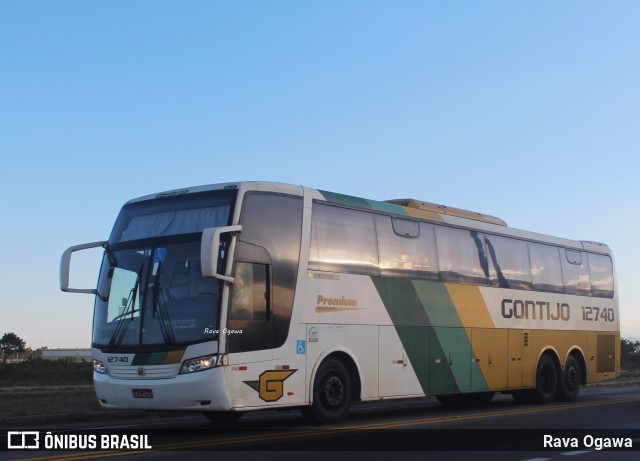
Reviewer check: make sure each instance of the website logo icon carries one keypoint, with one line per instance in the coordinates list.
(23, 440)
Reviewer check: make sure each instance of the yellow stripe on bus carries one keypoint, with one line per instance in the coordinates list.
(470, 306)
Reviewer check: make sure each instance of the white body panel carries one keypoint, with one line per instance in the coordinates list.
(341, 299)
(396, 374)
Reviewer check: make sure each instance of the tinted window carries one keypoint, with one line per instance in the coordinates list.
(601, 271)
(546, 274)
(509, 265)
(271, 232)
(406, 256)
(250, 295)
(575, 273)
(185, 214)
(343, 241)
(574, 257)
(461, 256)
(406, 228)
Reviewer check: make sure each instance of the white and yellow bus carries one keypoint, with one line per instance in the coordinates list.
(231, 298)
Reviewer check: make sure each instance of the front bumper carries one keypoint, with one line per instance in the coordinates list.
(201, 391)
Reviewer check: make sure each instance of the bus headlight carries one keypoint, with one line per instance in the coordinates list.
(99, 367)
(202, 363)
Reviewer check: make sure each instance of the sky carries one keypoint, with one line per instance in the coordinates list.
(525, 110)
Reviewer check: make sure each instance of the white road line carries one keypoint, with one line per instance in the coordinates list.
(574, 453)
(537, 459)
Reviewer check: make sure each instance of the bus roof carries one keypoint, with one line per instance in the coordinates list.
(410, 208)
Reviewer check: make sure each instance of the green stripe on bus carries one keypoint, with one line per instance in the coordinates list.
(432, 335)
(402, 302)
(436, 302)
(413, 327)
(358, 202)
(451, 334)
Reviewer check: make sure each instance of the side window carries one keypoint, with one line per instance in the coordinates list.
(405, 227)
(461, 256)
(250, 298)
(546, 274)
(509, 265)
(575, 273)
(406, 248)
(343, 241)
(601, 271)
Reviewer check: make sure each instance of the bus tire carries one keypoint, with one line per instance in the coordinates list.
(223, 417)
(569, 385)
(546, 380)
(332, 394)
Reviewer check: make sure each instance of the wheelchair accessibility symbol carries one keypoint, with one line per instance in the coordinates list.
(301, 347)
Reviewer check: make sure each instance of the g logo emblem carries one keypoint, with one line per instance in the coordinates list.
(270, 386)
(140, 371)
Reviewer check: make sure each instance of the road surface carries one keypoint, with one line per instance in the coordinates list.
(399, 430)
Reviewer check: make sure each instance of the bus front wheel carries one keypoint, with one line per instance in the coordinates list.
(332, 391)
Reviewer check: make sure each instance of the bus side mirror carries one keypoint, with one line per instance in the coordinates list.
(210, 248)
(65, 262)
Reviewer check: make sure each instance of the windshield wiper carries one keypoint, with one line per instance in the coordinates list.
(121, 327)
(161, 308)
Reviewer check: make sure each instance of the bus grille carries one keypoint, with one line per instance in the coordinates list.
(145, 372)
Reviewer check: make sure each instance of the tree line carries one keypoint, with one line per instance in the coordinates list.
(11, 345)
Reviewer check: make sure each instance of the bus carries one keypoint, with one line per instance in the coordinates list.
(230, 298)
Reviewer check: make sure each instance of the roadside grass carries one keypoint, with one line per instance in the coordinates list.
(37, 387)
(47, 400)
(40, 372)
(627, 374)
(36, 392)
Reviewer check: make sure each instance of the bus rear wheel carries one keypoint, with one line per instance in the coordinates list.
(332, 390)
(569, 385)
(546, 380)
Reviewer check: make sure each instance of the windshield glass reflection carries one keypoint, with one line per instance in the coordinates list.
(155, 296)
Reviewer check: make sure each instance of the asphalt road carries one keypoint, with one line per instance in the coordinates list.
(404, 430)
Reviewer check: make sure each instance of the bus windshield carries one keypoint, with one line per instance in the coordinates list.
(155, 296)
(151, 291)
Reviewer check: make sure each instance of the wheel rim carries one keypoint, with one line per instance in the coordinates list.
(333, 394)
(572, 378)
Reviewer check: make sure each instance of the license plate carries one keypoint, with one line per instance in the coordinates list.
(142, 393)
